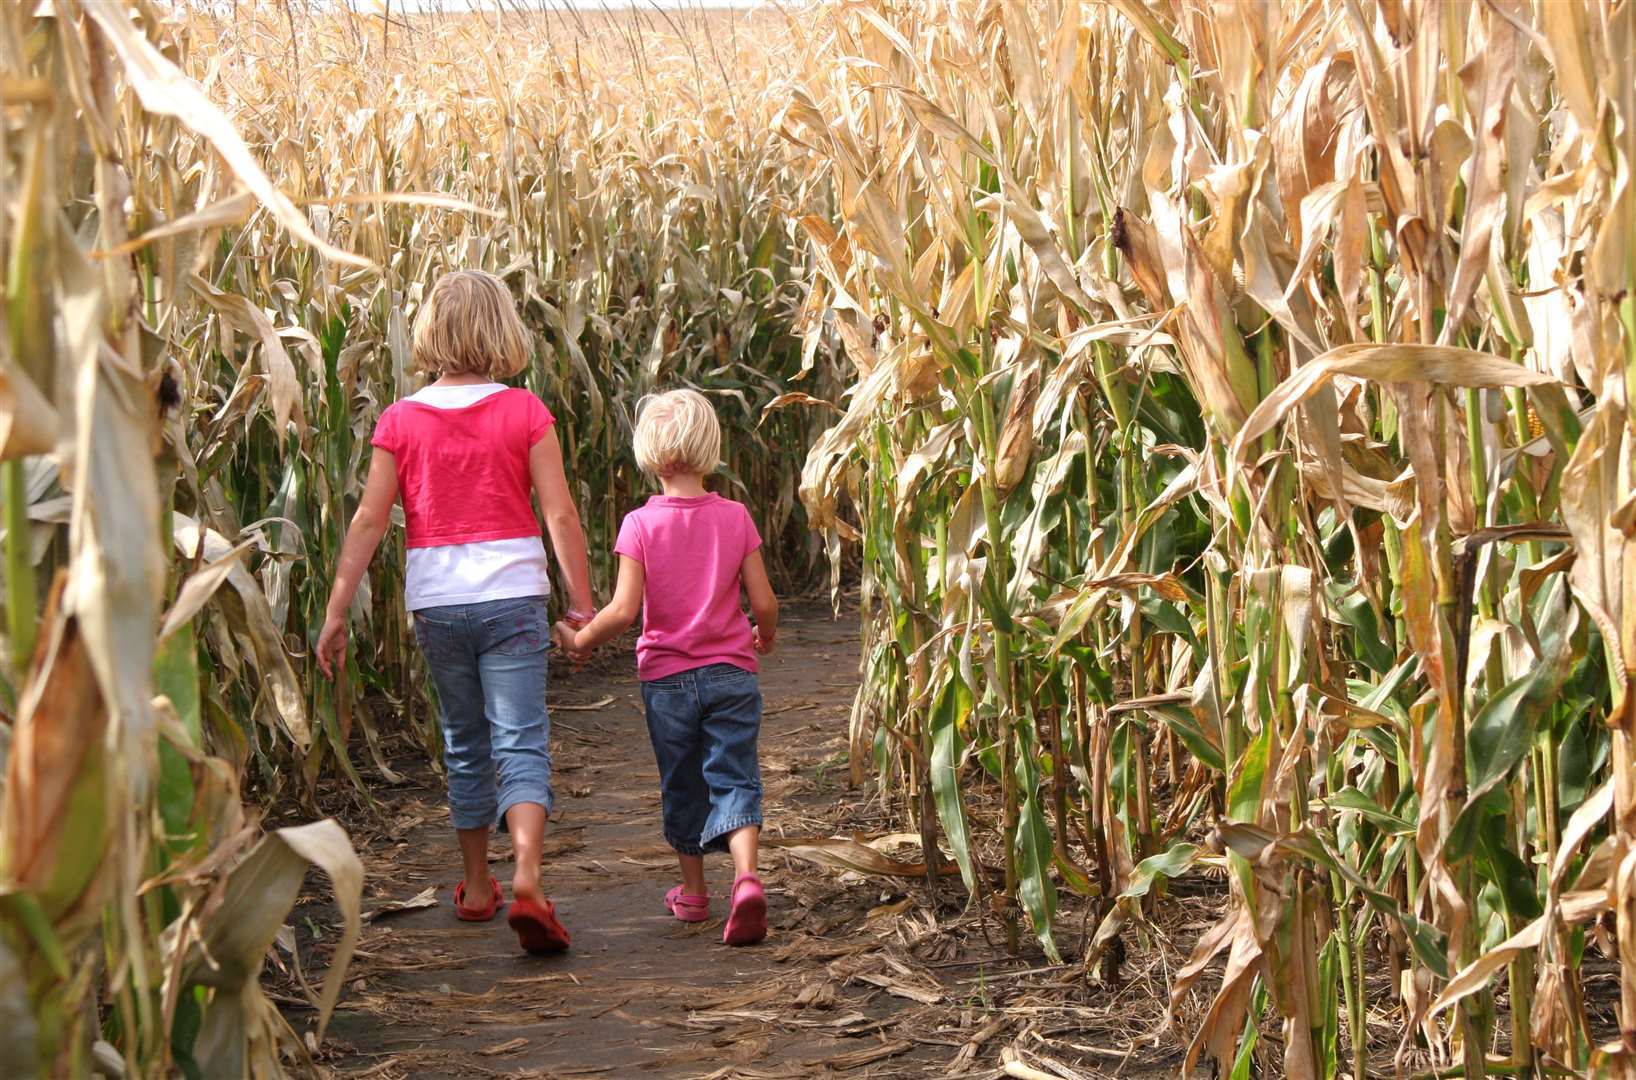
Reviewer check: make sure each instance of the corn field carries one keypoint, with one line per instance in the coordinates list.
(210, 284)
(1224, 405)
(1241, 472)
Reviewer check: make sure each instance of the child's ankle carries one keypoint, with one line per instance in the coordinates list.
(526, 888)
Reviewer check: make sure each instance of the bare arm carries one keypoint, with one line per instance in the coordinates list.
(561, 520)
(614, 619)
(364, 535)
(763, 604)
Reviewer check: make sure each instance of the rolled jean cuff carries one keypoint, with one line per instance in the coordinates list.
(466, 817)
(717, 839)
(682, 847)
(523, 794)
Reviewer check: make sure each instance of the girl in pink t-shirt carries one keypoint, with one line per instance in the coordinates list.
(683, 559)
(463, 455)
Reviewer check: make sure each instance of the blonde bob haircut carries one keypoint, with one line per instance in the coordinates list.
(469, 325)
(677, 432)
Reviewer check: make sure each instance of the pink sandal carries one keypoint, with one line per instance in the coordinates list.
(747, 919)
(687, 908)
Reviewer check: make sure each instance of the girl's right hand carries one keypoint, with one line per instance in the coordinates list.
(332, 645)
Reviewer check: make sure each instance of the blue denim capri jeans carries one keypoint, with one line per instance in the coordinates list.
(488, 662)
(704, 724)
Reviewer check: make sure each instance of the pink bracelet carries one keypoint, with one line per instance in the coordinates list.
(580, 616)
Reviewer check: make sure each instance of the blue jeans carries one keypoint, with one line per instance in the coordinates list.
(488, 664)
(704, 724)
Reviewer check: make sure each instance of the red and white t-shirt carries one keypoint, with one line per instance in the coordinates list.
(463, 479)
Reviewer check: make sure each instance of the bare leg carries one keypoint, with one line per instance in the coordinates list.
(474, 857)
(745, 844)
(527, 824)
(693, 883)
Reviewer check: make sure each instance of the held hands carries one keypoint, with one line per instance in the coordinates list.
(764, 640)
(566, 636)
(565, 633)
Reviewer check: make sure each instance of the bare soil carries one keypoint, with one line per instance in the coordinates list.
(860, 976)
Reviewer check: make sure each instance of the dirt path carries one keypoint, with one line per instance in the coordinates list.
(858, 977)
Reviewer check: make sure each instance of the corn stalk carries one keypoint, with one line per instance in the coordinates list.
(137, 900)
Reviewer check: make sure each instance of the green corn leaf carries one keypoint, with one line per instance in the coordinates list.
(953, 703)
(1350, 798)
(1367, 642)
(1159, 868)
(1199, 743)
(1244, 1060)
(1244, 797)
(1513, 877)
(1034, 859)
(1329, 985)
(1502, 732)
(176, 675)
(1573, 766)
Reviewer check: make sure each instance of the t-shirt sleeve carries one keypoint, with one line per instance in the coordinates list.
(752, 538)
(629, 543)
(386, 431)
(539, 420)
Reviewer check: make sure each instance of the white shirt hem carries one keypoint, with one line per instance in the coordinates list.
(510, 592)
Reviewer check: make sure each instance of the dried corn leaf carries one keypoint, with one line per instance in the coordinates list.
(166, 91)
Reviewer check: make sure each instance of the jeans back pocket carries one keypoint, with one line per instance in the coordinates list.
(437, 640)
(518, 629)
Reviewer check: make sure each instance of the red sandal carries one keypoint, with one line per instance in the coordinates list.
(466, 914)
(538, 930)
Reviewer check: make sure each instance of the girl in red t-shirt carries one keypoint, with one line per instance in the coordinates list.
(463, 454)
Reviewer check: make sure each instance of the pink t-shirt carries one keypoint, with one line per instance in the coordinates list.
(691, 550)
(463, 472)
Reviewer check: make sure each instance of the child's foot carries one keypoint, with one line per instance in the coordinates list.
(687, 908)
(747, 919)
(481, 909)
(535, 922)
(534, 917)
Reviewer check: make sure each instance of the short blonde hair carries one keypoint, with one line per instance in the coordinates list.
(677, 432)
(469, 325)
